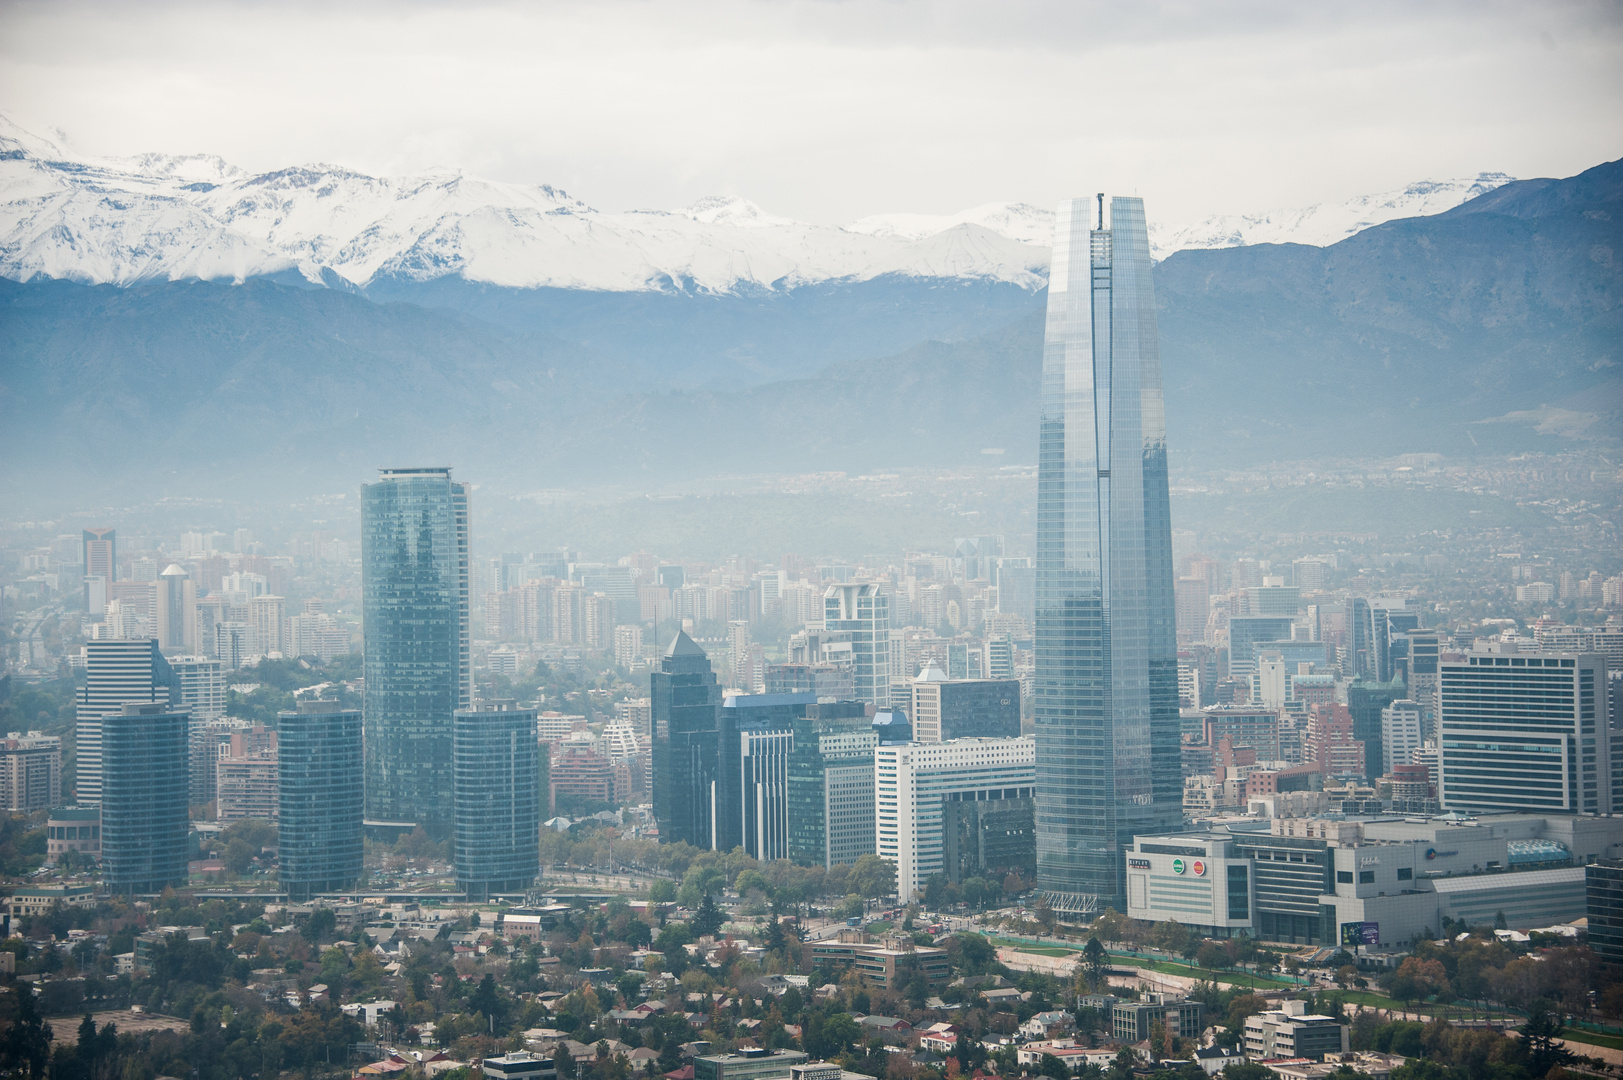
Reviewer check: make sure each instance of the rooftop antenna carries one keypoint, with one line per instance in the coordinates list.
(1101, 211)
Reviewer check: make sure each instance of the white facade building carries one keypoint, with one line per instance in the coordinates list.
(913, 780)
(1401, 723)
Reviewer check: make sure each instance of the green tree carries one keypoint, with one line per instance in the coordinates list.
(874, 877)
(25, 1037)
(1541, 1035)
(662, 891)
(1094, 957)
(707, 919)
(1049, 1065)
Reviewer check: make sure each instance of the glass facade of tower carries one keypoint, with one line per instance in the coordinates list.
(319, 799)
(497, 770)
(415, 597)
(685, 710)
(144, 817)
(1106, 680)
(863, 613)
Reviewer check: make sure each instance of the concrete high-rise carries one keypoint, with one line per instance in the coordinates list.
(143, 798)
(1106, 649)
(415, 595)
(685, 708)
(319, 836)
(117, 670)
(496, 771)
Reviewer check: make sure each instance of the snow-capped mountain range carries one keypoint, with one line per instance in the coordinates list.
(120, 221)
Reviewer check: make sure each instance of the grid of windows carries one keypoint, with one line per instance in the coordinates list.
(319, 800)
(1522, 734)
(496, 767)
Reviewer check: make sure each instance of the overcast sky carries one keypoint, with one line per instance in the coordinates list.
(831, 111)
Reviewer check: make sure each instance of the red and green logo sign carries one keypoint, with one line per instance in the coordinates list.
(1199, 868)
(1177, 866)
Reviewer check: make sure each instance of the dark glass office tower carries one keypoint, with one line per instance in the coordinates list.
(1107, 679)
(497, 769)
(414, 595)
(685, 708)
(143, 797)
(319, 845)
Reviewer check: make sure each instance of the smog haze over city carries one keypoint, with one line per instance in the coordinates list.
(602, 372)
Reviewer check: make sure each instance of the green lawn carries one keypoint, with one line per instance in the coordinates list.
(879, 927)
(1592, 1038)
(1047, 950)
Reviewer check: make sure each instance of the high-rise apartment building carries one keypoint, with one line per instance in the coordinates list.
(266, 615)
(1400, 734)
(202, 693)
(1106, 676)
(915, 785)
(1525, 734)
(863, 612)
(117, 671)
(143, 797)
(496, 769)
(627, 645)
(319, 799)
(245, 773)
(30, 772)
(415, 594)
(685, 709)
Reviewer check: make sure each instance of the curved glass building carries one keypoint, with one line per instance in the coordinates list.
(319, 799)
(497, 768)
(1107, 673)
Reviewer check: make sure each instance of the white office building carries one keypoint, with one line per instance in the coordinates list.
(913, 782)
(1525, 734)
(1401, 723)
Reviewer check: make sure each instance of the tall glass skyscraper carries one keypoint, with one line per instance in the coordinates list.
(319, 799)
(1107, 671)
(415, 598)
(685, 709)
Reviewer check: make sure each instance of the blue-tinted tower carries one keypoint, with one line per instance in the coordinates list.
(1107, 679)
(497, 767)
(415, 606)
(144, 818)
(685, 707)
(319, 835)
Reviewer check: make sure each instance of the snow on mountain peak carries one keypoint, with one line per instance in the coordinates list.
(1323, 224)
(732, 210)
(197, 216)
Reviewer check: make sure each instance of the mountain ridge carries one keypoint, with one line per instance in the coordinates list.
(122, 220)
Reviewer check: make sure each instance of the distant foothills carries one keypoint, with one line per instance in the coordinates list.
(1493, 326)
